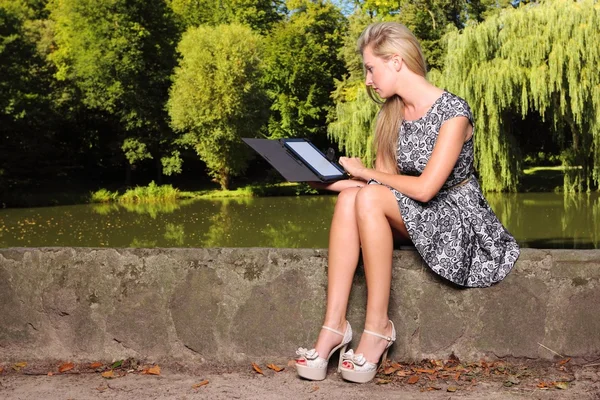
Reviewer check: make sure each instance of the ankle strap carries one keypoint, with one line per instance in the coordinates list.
(333, 330)
(388, 338)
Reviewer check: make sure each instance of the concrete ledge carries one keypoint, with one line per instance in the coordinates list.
(228, 305)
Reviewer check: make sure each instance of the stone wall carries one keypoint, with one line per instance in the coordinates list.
(227, 305)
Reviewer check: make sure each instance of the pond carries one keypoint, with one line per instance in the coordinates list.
(541, 220)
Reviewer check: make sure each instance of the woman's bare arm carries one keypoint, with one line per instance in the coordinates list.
(451, 138)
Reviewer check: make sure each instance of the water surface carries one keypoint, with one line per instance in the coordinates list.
(542, 220)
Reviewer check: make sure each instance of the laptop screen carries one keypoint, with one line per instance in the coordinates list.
(315, 158)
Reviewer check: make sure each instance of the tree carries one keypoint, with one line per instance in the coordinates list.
(118, 56)
(536, 58)
(301, 65)
(216, 97)
(260, 15)
(28, 121)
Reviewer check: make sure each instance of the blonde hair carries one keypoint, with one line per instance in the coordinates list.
(385, 40)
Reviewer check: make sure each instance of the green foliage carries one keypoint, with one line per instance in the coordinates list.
(539, 58)
(258, 14)
(103, 196)
(217, 98)
(135, 150)
(117, 56)
(301, 64)
(152, 193)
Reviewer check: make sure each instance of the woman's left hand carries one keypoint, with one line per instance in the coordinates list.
(353, 166)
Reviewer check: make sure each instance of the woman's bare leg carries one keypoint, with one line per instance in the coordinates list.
(377, 215)
(344, 250)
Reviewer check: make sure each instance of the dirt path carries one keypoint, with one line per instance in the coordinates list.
(178, 382)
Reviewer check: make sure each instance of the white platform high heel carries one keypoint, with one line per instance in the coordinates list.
(363, 371)
(314, 367)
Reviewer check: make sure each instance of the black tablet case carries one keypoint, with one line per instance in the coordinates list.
(292, 169)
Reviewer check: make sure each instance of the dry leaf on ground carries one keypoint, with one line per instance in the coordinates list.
(257, 368)
(108, 374)
(275, 367)
(452, 389)
(314, 389)
(197, 385)
(1, 370)
(155, 370)
(566, 360)
(66, 367)
(19, 365)
(96, 365)
(380, 381)
(390, 370)
(50, 373)
(561, 385)
(413, 379)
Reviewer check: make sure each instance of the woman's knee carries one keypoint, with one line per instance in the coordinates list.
(347, 198)
(370, 200)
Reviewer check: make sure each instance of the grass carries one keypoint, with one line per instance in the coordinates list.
(166, 193)
(152, 193)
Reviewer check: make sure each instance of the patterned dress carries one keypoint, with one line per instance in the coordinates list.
(457, 233)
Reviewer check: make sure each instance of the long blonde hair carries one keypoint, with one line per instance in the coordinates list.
(385, 40)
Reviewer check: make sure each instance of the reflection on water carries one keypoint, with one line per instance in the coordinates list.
(542, 220)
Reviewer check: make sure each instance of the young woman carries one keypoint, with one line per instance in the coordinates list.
(422, 189)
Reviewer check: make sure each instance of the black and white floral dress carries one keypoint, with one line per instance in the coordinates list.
(457, 233)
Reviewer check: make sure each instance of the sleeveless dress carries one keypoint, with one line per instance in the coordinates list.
(456, 233)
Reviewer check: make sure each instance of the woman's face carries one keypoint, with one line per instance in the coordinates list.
(381, 75)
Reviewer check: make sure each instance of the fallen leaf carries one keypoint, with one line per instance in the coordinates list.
(19, 365)
(413, 379)
(117, 364)
(197, 385)
(380, 381)
(1, 370)
(396, 365)
(426, 371)
(402, 373)
(314, 389)
(566, 360)
(452, 389)
(275, 367)
(96, 365)
(561, 385)
(257, 368)
(50, 373)
(66, 367)
(155, 370)
(389, 370)
(434, 387)
(108, 374)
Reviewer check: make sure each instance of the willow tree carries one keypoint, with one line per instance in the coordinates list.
(539, 58)
(217, 97)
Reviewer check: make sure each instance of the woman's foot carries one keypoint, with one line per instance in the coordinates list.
(361, 366)
(371, 346)
(312, 364)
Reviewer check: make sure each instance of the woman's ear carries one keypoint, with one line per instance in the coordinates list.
(397, 61)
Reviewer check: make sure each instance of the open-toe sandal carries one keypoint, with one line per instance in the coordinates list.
(311, 366)
(363, 371)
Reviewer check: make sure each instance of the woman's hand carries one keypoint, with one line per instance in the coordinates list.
(353, 166)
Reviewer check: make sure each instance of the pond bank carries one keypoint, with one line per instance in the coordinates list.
(226, 305)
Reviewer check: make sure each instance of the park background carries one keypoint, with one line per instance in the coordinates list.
(140, 106)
